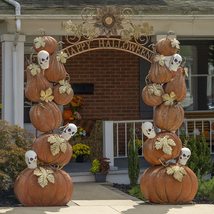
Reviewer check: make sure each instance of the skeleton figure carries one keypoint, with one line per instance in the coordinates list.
(173, 62)
(43, 59)
(148, 129)
(31, 159)
(69, 131)
(184, 156)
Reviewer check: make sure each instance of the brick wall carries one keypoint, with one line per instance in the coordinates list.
(115, 76)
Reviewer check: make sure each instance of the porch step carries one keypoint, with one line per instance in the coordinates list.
(115, 176)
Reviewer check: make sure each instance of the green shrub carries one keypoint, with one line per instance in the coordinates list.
(14, 142)
(136, 192)
(100, 165)
(5, 181)
(133, 160)
(200, 161)
(206, 190)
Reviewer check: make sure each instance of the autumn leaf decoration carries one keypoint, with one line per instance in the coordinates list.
(57, 144)
(44, 176)
(39, 42)
(34, 69)
(165, 144)
(160, 59)
(155, 89)
(62, 57)
(46, 95)
(178, 172)
(169, 98)
(175, 43)
(65, 87)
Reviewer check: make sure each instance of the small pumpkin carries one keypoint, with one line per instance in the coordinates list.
(36, 82)
(46, 43)
(67, 115)
(165, 146)
(63, 93)
(160, 73)
(177, 85)
(45, 116)
(52, 149)
(173, 184)
(167, 46)
(152, 94)
(54, 188)
(56, 70)
(169, 117)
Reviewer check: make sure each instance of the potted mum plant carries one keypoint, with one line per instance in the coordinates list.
(81, 151)
(100, 168)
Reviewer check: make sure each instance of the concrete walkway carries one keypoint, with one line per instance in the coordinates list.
(92, 198)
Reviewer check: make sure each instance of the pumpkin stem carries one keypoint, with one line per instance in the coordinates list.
(163, 164)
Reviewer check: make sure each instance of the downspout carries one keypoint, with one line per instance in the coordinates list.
(16, 37)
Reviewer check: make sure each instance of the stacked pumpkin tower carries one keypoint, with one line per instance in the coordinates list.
(47, 87)
(168, 180)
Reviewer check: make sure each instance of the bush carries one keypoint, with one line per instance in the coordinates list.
(14, 142)
(136, 192)
(200, 161)
(206, 190)
(100, 165)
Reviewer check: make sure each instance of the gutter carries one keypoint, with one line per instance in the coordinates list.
(15, 71)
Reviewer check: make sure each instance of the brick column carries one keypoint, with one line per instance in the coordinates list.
(13, 79)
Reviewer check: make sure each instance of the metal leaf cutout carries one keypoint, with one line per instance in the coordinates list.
(34, 69)
(46, 95)
(44, 176)
(39, 42)
(65, 87)
(178, 172)
(155, 89)
(169, 98)
(62, 57)
(175, 43)
(165, 143)
(160, 59)
(57, 144)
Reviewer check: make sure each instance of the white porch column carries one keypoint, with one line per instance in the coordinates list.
(13, 79)
(108, 141)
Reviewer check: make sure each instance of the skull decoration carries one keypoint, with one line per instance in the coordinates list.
(31, 159)
(43, 59)
(148, 129)
(175, 62)
(184, 156)
(69, 131)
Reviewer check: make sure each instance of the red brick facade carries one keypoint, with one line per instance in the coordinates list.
(116, 79)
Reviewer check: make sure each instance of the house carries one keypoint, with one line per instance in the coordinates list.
(110, 75)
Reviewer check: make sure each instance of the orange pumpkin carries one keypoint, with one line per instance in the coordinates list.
(165, 46)
(51, 153)
(177, 85)
(62, 98)
(45, 116)
(34, 86)
(46, 43)
(168, 117)
(56, 70)
(152, 94)
(158, 186)
(30, 193)
(160, 74)
(67, 115)
(154, 152)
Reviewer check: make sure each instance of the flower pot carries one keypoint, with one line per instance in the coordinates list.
(100, 177)
(80, 159)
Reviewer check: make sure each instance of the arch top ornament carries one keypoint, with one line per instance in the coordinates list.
(108, 28)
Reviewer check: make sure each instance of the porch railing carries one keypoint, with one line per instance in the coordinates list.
(116, 134)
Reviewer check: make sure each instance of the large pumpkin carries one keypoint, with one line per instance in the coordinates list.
(177, 85)
(169, 117)
(56, 70)
(35, 83)
(45, 116)
(46, 43)
(159, 185)
(163, 147)
(30, 193)
(152, 94)
(52, 149)
(167, 46)
(62, 97)
(160, 73)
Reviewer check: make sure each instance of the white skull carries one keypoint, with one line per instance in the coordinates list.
(148, 129)
(43, 59)
(31, 159)
(69, 131)
(175, 62)
(184, 156)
